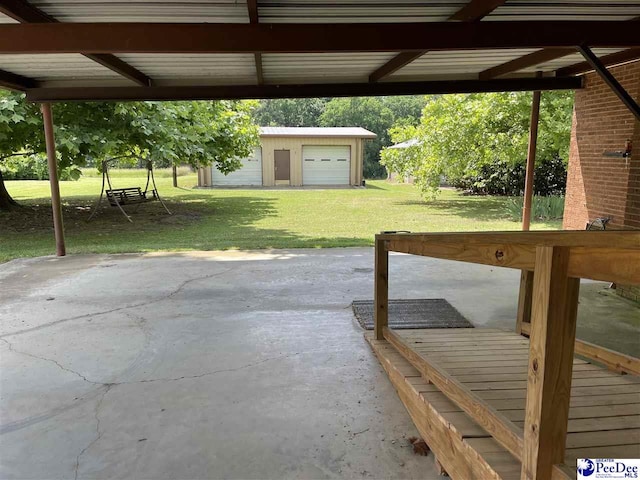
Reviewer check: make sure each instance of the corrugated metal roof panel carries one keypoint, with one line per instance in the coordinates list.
(71, 66)
(566, 10)
(196, 11)
(6, 19)
(211, 69)
(357, 11)
(568, 60)
(470, 62)
(321, 67)
(316, 132)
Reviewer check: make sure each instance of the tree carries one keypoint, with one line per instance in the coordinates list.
(290, 112)
(197, 133)
(377, 114)
(459, 135)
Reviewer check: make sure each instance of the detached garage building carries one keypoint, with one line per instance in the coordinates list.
(298, 156)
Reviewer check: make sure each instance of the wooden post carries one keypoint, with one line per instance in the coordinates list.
(526, 278)
(553, 333)
(174, 172)
(524, 300)
(381, 287)
(531, 159)
(52, 163)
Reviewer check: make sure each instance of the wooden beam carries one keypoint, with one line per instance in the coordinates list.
(14, 81)
(258, 62)
(552, 341)
(24, 12)
(505, 432)
(531, 158)
(525, 61)
(615, 361)
(616, 58)
(525, 297)
(52, 163)
(308, 38)
(476, 9)
(381, 289)
(395, 64)
(207, 92)
(610, 80)
(252, 6)
(622, 239)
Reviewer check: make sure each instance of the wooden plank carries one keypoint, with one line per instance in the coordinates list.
(584, 412)
(491, 420)
(475, 10)
(578, 382)
(618, 451)
(498, 376)
(603, 439)
(524, 300)
(381, 289)
(395, 64)
(459, 460)
(554, 312)
(562, 238)
(455, 354)
(525, 61)
(616, 361)
(607, 264)
(496, 254)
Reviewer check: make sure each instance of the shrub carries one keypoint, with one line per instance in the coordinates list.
(542, 208)
(34, 167)
(504, 178)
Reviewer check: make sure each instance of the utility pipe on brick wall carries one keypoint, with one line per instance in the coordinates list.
(531, 159)
(52, 163)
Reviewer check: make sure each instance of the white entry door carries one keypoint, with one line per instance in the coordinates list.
(249, 174)
(326, 165)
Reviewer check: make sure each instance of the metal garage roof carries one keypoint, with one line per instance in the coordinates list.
(80, 49)
(316, 132)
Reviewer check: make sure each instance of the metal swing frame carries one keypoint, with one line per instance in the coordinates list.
(118, 197)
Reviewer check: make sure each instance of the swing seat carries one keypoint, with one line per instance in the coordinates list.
(129, 196)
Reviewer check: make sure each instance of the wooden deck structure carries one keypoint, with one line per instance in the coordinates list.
(496, 404)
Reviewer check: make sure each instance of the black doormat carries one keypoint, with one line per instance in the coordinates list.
(418, 313)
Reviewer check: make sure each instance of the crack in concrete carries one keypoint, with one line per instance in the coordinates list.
(126, 307)
(98, 432)
(62, 367)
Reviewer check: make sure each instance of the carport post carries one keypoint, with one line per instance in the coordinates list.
(52, 163)
(526, 277)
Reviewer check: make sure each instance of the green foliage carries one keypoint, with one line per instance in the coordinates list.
(197, 133)
(34, 167)
(459, 134)
(503, 178)
(542, 208)
(290, 112)
(377, 114)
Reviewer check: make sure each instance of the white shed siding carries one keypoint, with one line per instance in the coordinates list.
(248, 175)
(326, 164)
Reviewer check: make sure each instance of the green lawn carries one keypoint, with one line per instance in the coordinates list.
(242, 219)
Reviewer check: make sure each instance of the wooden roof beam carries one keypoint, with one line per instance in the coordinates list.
(252, 6)
(23, 12)
(525, 61)
(13, 81)
(472, 11)
(298, 91)
(616, 58)
(610, 80)
(308, 38)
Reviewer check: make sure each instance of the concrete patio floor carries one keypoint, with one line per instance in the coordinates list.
(225, 364)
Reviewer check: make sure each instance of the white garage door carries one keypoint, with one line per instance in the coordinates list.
(249, 174)
(326, 165)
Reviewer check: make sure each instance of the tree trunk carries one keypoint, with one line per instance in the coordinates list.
(175, 176)
(6, 202)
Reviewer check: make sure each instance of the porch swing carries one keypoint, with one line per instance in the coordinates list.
(119, 197)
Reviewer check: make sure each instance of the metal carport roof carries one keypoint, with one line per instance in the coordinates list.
(107, 49)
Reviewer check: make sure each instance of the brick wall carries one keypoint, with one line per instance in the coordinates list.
(599, 186)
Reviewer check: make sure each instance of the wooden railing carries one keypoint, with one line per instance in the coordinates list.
(552, 264)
